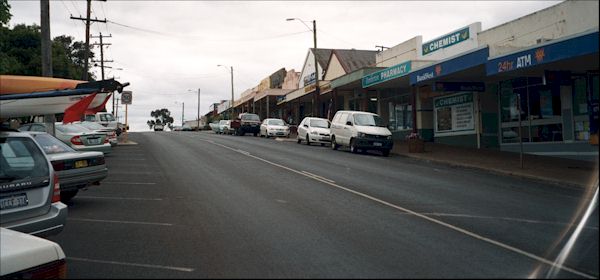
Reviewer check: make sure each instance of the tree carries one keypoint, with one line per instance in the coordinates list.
(20, 53)
(161, 116)
(4, 12)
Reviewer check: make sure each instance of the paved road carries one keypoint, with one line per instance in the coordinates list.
(200, 205)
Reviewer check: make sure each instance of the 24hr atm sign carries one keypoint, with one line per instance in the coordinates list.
(446, 41)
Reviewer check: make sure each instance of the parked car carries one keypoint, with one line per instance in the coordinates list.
(25, 256)
(96, 127)
(214, 126)
(158, 127)
(314, 130)
(227, 128)
(186, 127)
(177, 128)
(76, 170)
(29, 187)
(76, 136)
(274, 127)
(222, 124)
(246, 123)
(105, 119)
(360, 131)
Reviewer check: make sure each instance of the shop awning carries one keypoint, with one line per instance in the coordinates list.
(569, 47)
(451, 65)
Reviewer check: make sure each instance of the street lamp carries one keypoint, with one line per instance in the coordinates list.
(198, 120)
(314, 30)
(231, 107)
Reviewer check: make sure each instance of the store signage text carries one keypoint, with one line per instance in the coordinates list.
(446, 41)
(522, 61)
(309, 79)
(387, 74)
(454, 100)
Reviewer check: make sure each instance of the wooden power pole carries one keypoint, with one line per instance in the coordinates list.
(88, 21)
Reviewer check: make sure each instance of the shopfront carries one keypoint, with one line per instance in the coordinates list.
(548, 97)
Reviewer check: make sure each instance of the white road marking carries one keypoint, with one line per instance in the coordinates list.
(184, 269)
(119, 222)
(422, 216)
(317, 176)
(120, 198)
(281, 201)
(129, 183)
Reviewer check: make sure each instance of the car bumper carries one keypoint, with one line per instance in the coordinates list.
(374, 144)
(278, 133)
(319, 138)
(251, 129)
(106, 148)
(48, 224)
(77, 180)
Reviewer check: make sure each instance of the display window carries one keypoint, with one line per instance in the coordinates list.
(454, 114)
(400, 113)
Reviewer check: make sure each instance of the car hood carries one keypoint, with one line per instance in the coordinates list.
(276, 126)
(21, 251)
(320, 130)
(374, 130)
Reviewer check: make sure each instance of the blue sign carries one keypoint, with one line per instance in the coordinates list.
(582, 45)
(387, 74)
(443, 68)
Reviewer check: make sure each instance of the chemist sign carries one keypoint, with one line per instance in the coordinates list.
(126, 98)
(446, 41)
(454, 115)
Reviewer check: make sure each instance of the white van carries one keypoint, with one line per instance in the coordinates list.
(360, 131)
(105, 119)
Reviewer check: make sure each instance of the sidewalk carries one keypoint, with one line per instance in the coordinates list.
(554, 170)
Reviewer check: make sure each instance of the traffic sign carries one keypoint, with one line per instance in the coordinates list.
(126, 97)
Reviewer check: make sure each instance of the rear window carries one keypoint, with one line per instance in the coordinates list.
(71, 128)
(250, 117)
(51, 145)
(107, 117)
(20, 158)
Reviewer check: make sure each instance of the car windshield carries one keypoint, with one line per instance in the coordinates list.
(276, 122)
(250, 117)
(367, 120)
(51, 145)
(20, 158)
(222, 122)
(319, 123)
(107, 117)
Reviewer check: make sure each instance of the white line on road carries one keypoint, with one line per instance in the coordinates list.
(129, 183)
(317, 176)
(119, 222)
(422, 216)
(120, 198)
(184, 269)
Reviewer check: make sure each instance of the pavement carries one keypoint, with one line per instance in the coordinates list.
(559, 171)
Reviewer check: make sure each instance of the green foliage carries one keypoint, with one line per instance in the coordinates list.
(4, 12)
(20, 53)
(161, 116)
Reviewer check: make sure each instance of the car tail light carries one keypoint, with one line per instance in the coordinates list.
(56, 190)
(58, 165)
(76, 140)
(106, 139)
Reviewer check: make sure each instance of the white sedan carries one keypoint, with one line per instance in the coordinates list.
(314, 130)
(274, 127)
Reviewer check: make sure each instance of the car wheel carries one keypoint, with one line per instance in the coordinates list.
(307, 140)
(298, 139)
(386, 153)
(254, 134)
(334, 146)
(353, 148)
(66, 196)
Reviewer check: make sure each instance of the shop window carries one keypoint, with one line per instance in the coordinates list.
(511, 134)
(400, 114)
(580, 109)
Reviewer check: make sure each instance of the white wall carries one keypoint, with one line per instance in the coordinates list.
(564, 19)
(309, 68)
(334, 69)
(405, 51)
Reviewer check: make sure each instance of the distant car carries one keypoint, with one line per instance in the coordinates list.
(29, 188)
(314, 130)
(105, 119)
(76, 170)
(222, 124)
(214, 126)
(96, 127)
(227, 128)
(25, 256)
(76, 136)
(274, 127)
(246, 123)
(186, 127)
(177, 128)
(158, 127)
(360, 131)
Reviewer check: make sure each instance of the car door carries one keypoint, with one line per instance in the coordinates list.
(303, 129)
(345, 131)
(263, 127)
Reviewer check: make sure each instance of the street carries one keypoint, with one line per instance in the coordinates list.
(201, 205)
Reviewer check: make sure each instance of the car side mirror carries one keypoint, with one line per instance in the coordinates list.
(348, 123)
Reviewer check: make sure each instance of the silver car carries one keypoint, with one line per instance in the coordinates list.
(98, 128)
(77, 137)
(29, 187)
(314, 130)
(76, 170)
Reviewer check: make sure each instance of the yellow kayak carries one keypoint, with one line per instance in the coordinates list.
(10, 84)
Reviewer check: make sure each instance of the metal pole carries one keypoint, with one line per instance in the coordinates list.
(198, 128)
(87, 41)
(182, 110)
(314, 109)
(126, 124)
(231, 117)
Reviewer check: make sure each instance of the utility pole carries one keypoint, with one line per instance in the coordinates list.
(182, 110)
(102, 44)
(198, 110)
(231, 117)
(88, 21)
(317, 90)
(46, 54)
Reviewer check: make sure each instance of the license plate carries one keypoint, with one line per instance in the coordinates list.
(377, 144)
(94, 141)
(81, 163)
(15, 201)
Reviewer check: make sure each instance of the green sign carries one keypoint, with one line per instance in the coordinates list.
(446, 41)
(454, 100)
(387, 74)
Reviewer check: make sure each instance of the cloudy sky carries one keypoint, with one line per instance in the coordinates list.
(169, 49)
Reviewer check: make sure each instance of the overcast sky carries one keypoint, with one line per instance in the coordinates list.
(167, 48)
